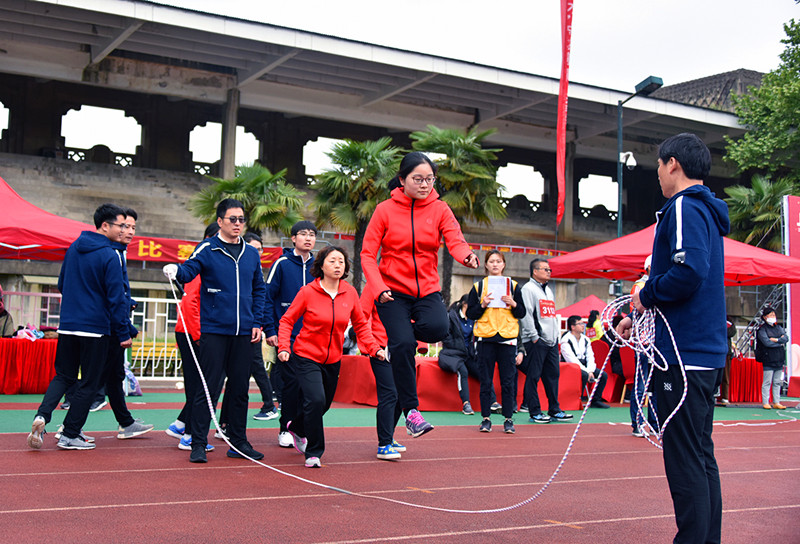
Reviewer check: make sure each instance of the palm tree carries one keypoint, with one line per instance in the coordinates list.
(269, 201)
(755, 211)
(467, 179)
(348, 193)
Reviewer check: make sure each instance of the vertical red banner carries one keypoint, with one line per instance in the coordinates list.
(791, 235)
(561, 123)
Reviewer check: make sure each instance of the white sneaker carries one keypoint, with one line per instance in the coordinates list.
(37, 430)
(285, 440)
(313, 462)
(84, 437)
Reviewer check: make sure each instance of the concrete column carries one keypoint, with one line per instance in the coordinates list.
(282, 143)
(230, 114)
(165, 133)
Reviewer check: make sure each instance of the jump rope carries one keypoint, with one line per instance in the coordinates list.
(641, 342)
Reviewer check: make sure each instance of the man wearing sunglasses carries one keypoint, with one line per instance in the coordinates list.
(231, 312)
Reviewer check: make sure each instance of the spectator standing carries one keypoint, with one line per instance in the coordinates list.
(231, 311)
(540, 338)
(290, 273)
(686, 278)
(771, 353)
(7, 329)
(725, 386)
(326, 306)
(407, 230)
(576, 349)
(495, 303)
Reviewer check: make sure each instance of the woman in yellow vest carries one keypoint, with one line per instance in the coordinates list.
(495, 303)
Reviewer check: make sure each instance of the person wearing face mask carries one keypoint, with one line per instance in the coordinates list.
(6, 321)
(771, 353)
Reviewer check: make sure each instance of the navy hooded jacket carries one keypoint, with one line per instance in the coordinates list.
(286, 277)
(121, 250)
(93, 298)
(687, 277)
(232, 292)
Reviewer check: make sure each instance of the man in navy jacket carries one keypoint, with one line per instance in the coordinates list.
(231, 312)
(686, 281)
(94, 309)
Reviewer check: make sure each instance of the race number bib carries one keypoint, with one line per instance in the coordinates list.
(547, 308)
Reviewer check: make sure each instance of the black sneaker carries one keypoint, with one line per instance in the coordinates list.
(247, 450)
(599, 404)
(496, 408)
(561, 416)
(508, 427)
(198, 454)
(466, 409)
(486, 426)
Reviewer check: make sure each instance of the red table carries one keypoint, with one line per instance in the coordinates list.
(746, 378)
(26, 366)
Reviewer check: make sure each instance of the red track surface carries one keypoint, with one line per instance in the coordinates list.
(612, 489)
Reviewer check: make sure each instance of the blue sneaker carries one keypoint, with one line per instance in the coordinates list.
(174, 431)
(186, 444)
(267, 415)
(388, 453)
(398, 446)
(416, 424)
(561, 416)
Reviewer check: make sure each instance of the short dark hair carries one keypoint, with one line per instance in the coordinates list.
(408, 164)
(768, 310)
(211, 230)
(690, 152)
(107, 213)
(319, 260)
(572, 321)
(130, 212)
(226, 205)
(250, 236)
(535, 261)
(303, 225)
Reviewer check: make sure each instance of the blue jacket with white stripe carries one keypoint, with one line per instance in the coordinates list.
(687, 277)
(232, 293)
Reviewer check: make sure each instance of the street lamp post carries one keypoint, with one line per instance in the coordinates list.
(642, 89)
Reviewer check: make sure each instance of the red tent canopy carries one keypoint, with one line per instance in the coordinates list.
(583, 307)
(623, 259)
(28, 232)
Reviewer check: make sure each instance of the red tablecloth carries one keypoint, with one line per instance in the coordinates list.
(746, 378)
(26, 366)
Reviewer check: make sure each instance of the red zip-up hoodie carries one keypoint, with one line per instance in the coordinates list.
(371, 313)
(324, 322)
(408, 233)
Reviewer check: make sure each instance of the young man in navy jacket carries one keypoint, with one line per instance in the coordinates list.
(686, 280)
(94, 310)
(231, 311)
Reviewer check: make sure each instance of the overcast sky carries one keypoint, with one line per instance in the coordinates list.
(616, 43)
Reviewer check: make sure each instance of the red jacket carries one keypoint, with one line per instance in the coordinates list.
(408, 233)
(375, 324)
(324, 322)
(190, 308)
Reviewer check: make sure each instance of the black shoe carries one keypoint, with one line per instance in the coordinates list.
(486, 426)
(65, 405)
(508, 427)
(599, 404)
(198, 454)
(247, 450)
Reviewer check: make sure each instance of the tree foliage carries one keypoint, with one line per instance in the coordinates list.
(755, 211)
(771, 114)
(269, 201)
(349, 192)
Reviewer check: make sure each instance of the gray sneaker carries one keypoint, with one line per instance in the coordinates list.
(66, 443)
(133, 430)
(37, 430)
(84, 437)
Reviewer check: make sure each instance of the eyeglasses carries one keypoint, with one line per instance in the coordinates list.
(548, 270)
(233, 219)
(123, 226)
(307, 233)
(419, 180)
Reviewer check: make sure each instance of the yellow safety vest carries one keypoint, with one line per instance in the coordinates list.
(495, 320)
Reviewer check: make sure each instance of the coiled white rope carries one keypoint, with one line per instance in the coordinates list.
(405, 503)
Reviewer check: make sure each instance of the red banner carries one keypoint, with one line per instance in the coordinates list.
(561, 123)
(791, 222)
(168, 250)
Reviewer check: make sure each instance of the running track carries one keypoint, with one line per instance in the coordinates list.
(611, 489)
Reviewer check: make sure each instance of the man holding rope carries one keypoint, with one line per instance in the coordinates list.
(686, 280)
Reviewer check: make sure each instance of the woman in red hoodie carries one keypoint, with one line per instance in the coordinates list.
(326, 306)
(407, 229)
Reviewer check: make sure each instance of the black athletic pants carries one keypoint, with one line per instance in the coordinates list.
(191, 378)
(542, 363)
(689, 462)
(387, 414)
(430, 324)
(503, 355)
(318, 385)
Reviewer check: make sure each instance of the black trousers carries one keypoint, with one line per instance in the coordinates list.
(115, 375)
(387, 414)
(89, 355)
(689, 462)
(503, 355)
(259, 372)
(291, 396)
(430, 324)
(318, 384)
(191, 378)
(542, 363)
(600, 379)
(222, 356)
